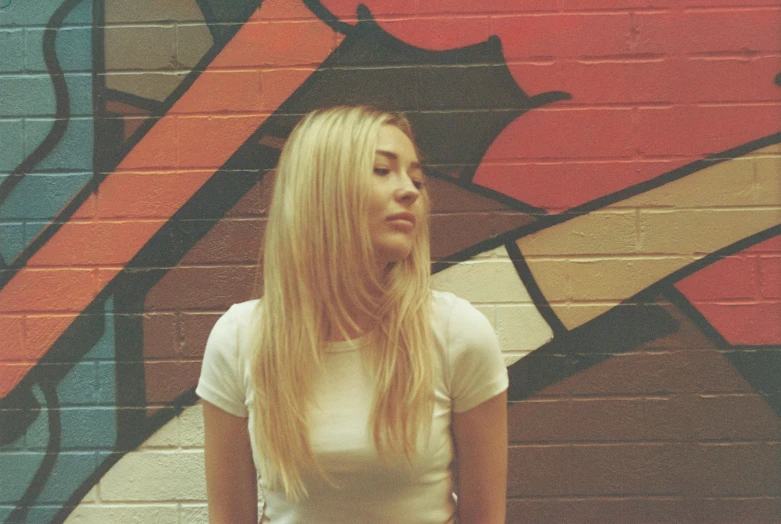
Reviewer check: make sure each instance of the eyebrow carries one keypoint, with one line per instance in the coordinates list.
(393, 156)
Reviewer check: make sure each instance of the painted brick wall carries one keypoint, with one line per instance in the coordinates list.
(606, 179)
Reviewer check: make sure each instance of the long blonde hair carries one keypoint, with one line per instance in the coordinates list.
(320, 278)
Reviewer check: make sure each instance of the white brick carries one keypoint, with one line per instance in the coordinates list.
(165, 437)
(156, 476)
(191, 427)
(126, 514)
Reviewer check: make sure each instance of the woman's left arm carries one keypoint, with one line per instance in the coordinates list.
(480, 437)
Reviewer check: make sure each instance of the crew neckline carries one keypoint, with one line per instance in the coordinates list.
(353, 344)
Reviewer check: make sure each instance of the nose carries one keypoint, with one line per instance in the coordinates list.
(407, 192)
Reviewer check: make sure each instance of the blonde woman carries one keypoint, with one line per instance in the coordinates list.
(353, 391)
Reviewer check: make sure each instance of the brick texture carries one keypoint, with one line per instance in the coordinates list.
(140, 192)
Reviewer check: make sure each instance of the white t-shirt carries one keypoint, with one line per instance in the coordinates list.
(469, 370)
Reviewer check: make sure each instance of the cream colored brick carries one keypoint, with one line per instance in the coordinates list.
(489, 311)
(156, 476)
(519, 329)
(167, 436)
(125, 514)
(511, 357)
(91, 496)
(191, 426)
(599, 233)
(194, 514)
(486, 281)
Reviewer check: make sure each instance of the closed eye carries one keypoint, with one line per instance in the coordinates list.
(381, 171)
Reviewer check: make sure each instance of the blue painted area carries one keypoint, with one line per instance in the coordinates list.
(72, 53)
(26, 13)
(72, 468)
(72, 153)
(88, 428)
(26, 95)
(12, 239)
(88, 433)
(30, 96)
(12, 44)
(11, 144)
(39, 196)
(17, 468)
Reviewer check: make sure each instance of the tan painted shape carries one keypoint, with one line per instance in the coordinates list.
(157, 11)
(492, 284)
(154, 85)
(140, 48)
(677, 224)
(192, 42)
(177, 41)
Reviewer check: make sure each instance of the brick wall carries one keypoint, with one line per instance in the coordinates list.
(605, 178)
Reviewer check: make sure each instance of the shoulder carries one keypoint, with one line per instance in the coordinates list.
(474, 365)
(459, 320)
(235, 324)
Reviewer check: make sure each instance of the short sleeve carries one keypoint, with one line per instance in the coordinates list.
(477, 367)
(221, 380)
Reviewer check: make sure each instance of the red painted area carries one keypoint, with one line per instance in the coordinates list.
(685, 107)
(739, 295)
(177, 140)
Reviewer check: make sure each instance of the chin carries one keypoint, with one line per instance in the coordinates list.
(393, 254)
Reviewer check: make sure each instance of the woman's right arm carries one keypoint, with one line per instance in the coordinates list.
(231, 479)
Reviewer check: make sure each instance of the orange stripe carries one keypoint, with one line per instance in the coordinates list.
(185, 148)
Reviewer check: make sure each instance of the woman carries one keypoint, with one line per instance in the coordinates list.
(350, 387)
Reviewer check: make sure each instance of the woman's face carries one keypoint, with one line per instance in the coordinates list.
(395, 206)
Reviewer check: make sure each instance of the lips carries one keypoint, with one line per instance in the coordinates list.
(403, 219)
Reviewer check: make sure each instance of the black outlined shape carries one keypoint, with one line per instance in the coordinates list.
(620, 330)
(549, 220)
(61, 96)
(225, 17)
(34, 489)
(759, 365)
(324, 14)
(535, 293)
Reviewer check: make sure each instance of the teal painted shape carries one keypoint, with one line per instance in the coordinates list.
(37, 195)
(12, 239)
(17, 468)
(27, 95)
(11, 145)
(68, 166)
(74, 49)
(88, 428)
(12, 44)
(27, 13)
(72, 153)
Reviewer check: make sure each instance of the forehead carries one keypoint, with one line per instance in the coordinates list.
(391, 139)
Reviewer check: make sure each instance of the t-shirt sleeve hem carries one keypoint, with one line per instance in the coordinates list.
(488, 391)
(210, 395)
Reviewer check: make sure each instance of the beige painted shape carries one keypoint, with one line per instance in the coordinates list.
(492, 284)
(678, 223)
(192, 42)
(155, 85)
(148, 485)
(160, 11)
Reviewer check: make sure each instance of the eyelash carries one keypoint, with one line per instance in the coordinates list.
(382, 171)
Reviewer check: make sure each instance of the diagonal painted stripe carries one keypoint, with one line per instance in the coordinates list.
(587, 265)
(236, 93)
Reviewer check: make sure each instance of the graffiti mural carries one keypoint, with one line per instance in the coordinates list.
(606, 187)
